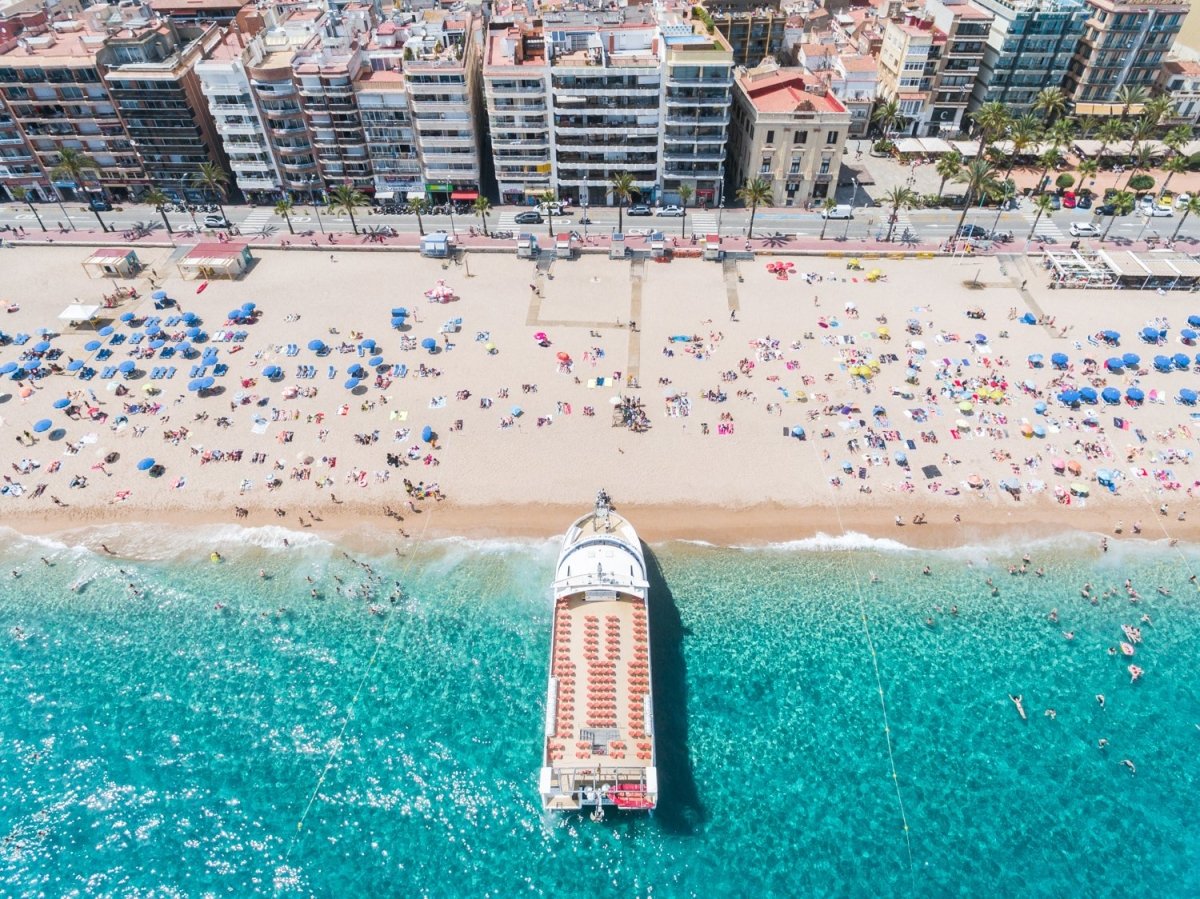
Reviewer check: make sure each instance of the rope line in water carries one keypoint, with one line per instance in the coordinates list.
(887, 727)
(336, 749)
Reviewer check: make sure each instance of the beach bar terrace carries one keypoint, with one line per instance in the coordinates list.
(1166, 269)
(216, 260)
(112, 262)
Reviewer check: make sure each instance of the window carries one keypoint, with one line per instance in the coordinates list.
(825, 165)
(794, 168)
(801, 137)
(765, 167)
(771, 136)
(831, 137)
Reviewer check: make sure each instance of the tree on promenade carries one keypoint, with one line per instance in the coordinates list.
(159, 201)
(898, 198)
(754, 191)
(283, 209)
(344, 198)
(622, 188)
(482, 207)
(213, 179)
(22, 195)
(980, 178)
(1122, 203)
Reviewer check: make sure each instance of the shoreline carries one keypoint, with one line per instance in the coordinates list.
(757, 526)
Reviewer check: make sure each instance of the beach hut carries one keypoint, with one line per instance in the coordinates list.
(658, 245)
(564, 246)
(112, 262)
(216, 260)
(617, 249)
(437, 245)
(712, 248)
(527, 246)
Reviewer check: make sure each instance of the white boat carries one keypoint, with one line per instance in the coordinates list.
(599, 747)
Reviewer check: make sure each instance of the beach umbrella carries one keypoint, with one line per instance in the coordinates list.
(248, 307)
(128, 317)
(797, 431)
(975, 481)
(8, 368)
(43, 425)
(1116, 363)
(127, 366)
(1039, 431)
(397, 321)
(158, 295)
(981, 338)
(540, 337)
(1088, 395)
(207, 383)
(190, 318)
(1039, 407)
(375, 360)
(1162, 363)
(352, 383)
(1069, 397)
(428, 343)
(146, 464)
(194, 332)
(1110, 395)
(75, 365)
(105, 331)
(1079, 489)
(368, 344)
(1110, 336)
(183, 347)
(965, 406)
(61, 403)
(30, 364)
(316, 345)
(1135, 394)
(1150, 335)
(1059, 360)
(1036, 359)
(92, 345)
(1187, 396)
(234, 315)
(1194, 321)
(1131, 360)
(427, 434)
(400, 311)
(1188, 335)
(272, 371)
(157, 344)
(194, 384)
(356, 370)
(566, 357)
(1182, 361)
(41, 346)
(517, 411)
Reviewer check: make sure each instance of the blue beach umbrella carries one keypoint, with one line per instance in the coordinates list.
(1110, 395)
(75, 365)
(1059, 360)
(427, 434)
(368, 344)
(1150, 335)
(31, 365)
(428, 343)
(272, 371)
(1039, 430)
(8, 368)
(517, 411)
(207, 383)
(1162, 363)
(1088, 395)
(92, 345)
(158, 295)
(400, 311)
(190, 318)
(356, 370)
(105, 331)
(1116, 363)
(1187, 396)
(1069, 397)
(797, 431)
(375, 360)
(1194, 321)
(1135, 394)
(193, 332)
(146, 464)
(157, 344)
(1036, 360)
(1181, 361)
(1187, 334)
(41, 346)
(316, 345)
(235, 314)
(127, 366)
(1039, 407)
(1131, 359)
(248, 307)
(61, 403)
(397, 321)
(44, 425)
(194, 384)
(352, 383)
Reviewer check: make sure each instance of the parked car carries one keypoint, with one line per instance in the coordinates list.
(216, 221)
(841, 211)
(1055, 202)
(99, 204)
(528, 218)
(671, 211)
(1084, 229)
(1084, 201)
(1105, 209)
(639, 209)
(1068, 199)
(553, 209)
(1182, 200)
(1153, 210)
(974, 232)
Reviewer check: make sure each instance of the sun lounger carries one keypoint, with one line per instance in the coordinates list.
(220, 369)
(108, 372)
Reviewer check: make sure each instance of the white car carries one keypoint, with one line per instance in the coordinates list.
(671, 211)
(1155, 211)
(216, 221)
(1084, 229)
(1182, 200)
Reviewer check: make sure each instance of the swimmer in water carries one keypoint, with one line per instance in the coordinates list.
(1070, 635)
(929, 622)
(1164, 591)
(15, 573)
(262, 573)
(1053, 616)
(1051, 714)
(926, 570)
(954, 610)
(1128, 764)
(874, 578)
(1102, 743)
(219, 606)
(1041, 572)
(1100, 699)
(1112, 650)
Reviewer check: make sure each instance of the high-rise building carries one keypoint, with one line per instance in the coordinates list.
(1124, 44)
(754, 29)
(634, 91)
(1029, 48)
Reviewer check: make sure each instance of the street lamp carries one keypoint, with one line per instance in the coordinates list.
(853, 203)
(584, 206)
(720, 210)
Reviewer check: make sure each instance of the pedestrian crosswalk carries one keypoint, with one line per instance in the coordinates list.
(1047, 228)
(257, 220)
(703, 223)
(507, 222)
(905, 229)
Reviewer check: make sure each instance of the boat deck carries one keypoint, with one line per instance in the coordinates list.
(601, 666)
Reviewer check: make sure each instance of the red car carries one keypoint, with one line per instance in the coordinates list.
(1068, 199)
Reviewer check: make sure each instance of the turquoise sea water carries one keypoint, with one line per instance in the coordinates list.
(157, 745)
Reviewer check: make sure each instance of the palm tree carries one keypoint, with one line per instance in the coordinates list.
(482, 207)
(159, 201)
(1141, 161)
(344, 198)
(1129, 96)
(1087, 125)
(898, 198)
(1047, 161)
(1051, 103)
(888, 117)
(1110, 131)
(991, 119)
(1087, 169)
(1178, 137)
(754, 192)
(1061, 133)
(22, 195)
(1044, 206)
(283, 208)
(980, 178)
(546, 198)
(1122, 204)
(1024, 133)
(1175, 165)
(418, 205)
(827, 207)
(1158, 108)
(948, 166)
(686, 192)
(73, 166)
(213, 179)
(1191, 206)
(622, 188)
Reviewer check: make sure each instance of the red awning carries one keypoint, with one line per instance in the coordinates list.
(464, 195)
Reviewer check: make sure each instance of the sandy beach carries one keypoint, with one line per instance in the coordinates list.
(727, 362)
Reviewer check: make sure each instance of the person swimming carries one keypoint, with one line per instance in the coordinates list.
(1053, 616)
(1100, 699)
(1129, 764)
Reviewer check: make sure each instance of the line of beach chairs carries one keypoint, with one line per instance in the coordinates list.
(292, 349)
(201, 371)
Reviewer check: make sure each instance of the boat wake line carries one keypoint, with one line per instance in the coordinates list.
(866, 626)
(336, 747)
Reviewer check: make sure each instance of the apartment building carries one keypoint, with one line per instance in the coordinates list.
(852, 78)
(1029, 48)
(637, 90)
(929, 63)
(789, 130)
(1124, 44)
(382, 96)
(754, 29)
(1180, 80)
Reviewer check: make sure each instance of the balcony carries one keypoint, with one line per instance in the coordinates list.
(697, 120)
(693, 156)
(237, 128)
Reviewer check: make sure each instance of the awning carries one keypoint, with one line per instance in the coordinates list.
(385, 194)
(416, 195)
(464, 195)
(909, 145)
(77, 312)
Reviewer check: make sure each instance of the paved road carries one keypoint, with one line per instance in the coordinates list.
(926, 226)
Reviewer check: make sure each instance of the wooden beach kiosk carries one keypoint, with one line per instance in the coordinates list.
(112, 262)
(216, 260)
(712, 248)
(527, 246)
(564, 246)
